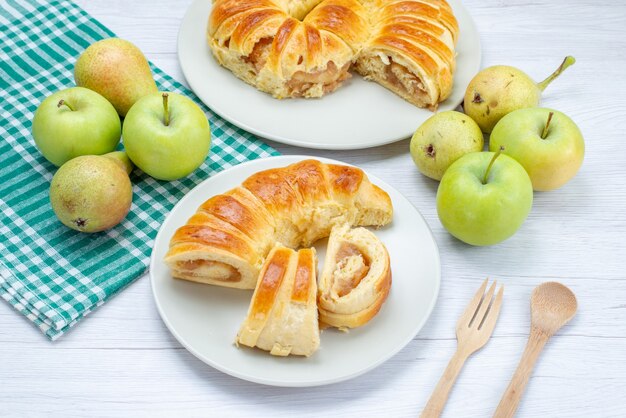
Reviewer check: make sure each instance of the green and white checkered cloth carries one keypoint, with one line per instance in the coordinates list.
(52, 274)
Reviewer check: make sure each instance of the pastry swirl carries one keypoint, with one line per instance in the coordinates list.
(355, 280)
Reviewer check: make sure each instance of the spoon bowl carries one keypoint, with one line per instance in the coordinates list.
(552, 305)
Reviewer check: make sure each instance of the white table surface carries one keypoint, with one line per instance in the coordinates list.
(123, 361)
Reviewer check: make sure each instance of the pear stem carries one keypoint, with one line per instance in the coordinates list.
(166, 112)
(545, 128)
(496, 155)
(568, 61)
(63, 102)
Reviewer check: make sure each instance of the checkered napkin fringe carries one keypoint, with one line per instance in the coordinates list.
(52, 274)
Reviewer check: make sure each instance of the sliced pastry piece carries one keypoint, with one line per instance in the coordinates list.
(356, 278)
(209, 250)
(224, 242)
(282, 317)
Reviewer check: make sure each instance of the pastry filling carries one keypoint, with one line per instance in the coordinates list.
(330, 78)
(214, 270)
(403, 80)
(352, 267)
(396, 77)
(258, 57)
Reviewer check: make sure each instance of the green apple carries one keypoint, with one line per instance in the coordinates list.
(443, 139)
(166, 135)
(484, 197)
(545, 142)
(74, 122)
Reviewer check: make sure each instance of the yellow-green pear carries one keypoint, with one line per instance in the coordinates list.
(117, 70)
(92, 193)
(497, 91)
(442, 139)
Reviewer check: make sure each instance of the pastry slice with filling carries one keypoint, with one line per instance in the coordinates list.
(282, 317)
(356, 278)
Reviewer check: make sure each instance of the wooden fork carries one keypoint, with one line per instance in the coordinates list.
(473, 330)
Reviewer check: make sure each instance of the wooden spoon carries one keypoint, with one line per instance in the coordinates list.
(552, 305)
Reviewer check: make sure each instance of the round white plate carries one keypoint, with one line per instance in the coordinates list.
(359, 114)
(205, 319)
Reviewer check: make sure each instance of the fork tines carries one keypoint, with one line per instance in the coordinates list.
(483, 309)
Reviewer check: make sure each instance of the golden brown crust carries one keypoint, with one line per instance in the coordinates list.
(225, 9)
(285, 31)
(270, 280)
(273, 189)
(210, 235)
(415, 33)
(344, 179)
(345, 19)
(268, 44)
(313, 42)
(308, 180)
(305, 276)
(230, 210)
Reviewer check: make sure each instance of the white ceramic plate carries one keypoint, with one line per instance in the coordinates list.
(205, 319)
(359, 114)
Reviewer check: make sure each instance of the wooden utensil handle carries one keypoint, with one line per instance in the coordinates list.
(438, 399)
(513, 393)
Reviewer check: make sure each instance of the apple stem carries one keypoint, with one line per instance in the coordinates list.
(545, 128)
(166, 113)
(496, 155)
(63, 102)
(568, 61)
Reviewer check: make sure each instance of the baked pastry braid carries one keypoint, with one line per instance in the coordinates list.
(305, 48)
(282, 317)
(356, 278)
(230, 235)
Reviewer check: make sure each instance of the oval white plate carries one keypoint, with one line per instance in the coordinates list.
(359, 114)
(205, 319)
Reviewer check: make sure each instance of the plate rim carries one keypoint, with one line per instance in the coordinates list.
(304, 143)
(303, 383)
